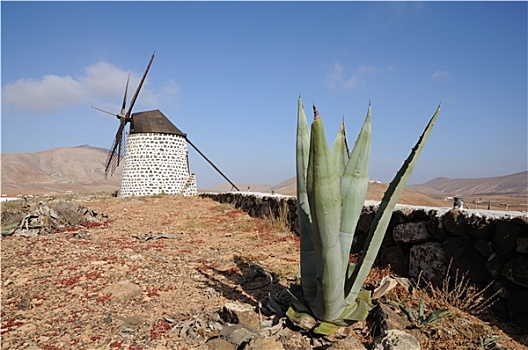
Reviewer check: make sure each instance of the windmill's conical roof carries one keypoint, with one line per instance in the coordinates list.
(153, 122)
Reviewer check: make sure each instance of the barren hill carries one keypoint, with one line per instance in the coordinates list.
(59, 170)
(375, 192)
(81, 169)
(504, 192)
(509, 185)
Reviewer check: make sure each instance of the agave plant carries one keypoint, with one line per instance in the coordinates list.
(331, 190)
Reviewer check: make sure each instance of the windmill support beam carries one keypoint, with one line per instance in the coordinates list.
(214, 166)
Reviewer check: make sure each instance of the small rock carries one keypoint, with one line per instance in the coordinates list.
(494, 265)
(261, 343)
(25, 304)
(241, 313)
(383, 318)
(219, 344)
(516, 269)
(122, 290)
(237, 334)
(396, 340)
(505, 240)
(348, 343)
(484, 248)
(522, 245)
(27, 328)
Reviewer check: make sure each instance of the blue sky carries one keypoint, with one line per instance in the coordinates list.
(229, 75)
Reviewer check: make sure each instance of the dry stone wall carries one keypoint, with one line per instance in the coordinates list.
(491, 246)
(156, 163)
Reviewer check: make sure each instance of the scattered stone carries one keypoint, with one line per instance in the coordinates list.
(494, 265)
(129, 322)
(516, 270)
(237, 334)
(122, 291)
(219, 344)
(261, 343)
(395, 339)
(505, 238)
(241, 313)
(484, 248)
(383, 319)
(411, 232)
(82, 234)
(430, 258)
(522, 245)
(347, 343)
(46, 220)
(149, 235)
(27, 328)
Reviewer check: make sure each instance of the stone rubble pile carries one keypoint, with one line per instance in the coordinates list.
(46, 220)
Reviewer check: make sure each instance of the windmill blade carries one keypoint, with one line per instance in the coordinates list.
(123, 106)
(117, 150)
(102, 110)
(133, 101)
(214, 166)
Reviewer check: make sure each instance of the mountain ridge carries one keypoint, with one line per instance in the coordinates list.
(81, 169)
(512, 185)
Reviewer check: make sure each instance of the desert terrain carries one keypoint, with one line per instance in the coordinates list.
(154, 273)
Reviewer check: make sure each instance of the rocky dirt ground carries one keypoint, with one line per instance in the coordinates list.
(155, 273)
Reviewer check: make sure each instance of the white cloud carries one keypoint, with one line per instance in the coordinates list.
(46, 95)
(338, 78)
(104, 80)
(441, 75)
(99, 81)
(335, 76)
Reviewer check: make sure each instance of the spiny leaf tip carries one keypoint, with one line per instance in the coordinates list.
(316, 112)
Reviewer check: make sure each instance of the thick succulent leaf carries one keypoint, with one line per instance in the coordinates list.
(438, 315)
(421, 317)
(382, 218)
(340, 150)
(354, 185)
(325, 206)
(302, 320)
(297, 299)
(325, 328)
(409, 313)
(308, 273)
(356, 311)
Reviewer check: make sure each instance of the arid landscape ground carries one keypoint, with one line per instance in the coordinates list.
(113, 285)
(154, 272)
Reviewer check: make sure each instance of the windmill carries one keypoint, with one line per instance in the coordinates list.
(154, 151)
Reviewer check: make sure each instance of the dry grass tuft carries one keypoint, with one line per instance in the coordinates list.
(279, 220)
(459, 293)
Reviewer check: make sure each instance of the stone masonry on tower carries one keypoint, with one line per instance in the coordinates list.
(156, 159)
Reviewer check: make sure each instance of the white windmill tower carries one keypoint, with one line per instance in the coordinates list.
(156, 158)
